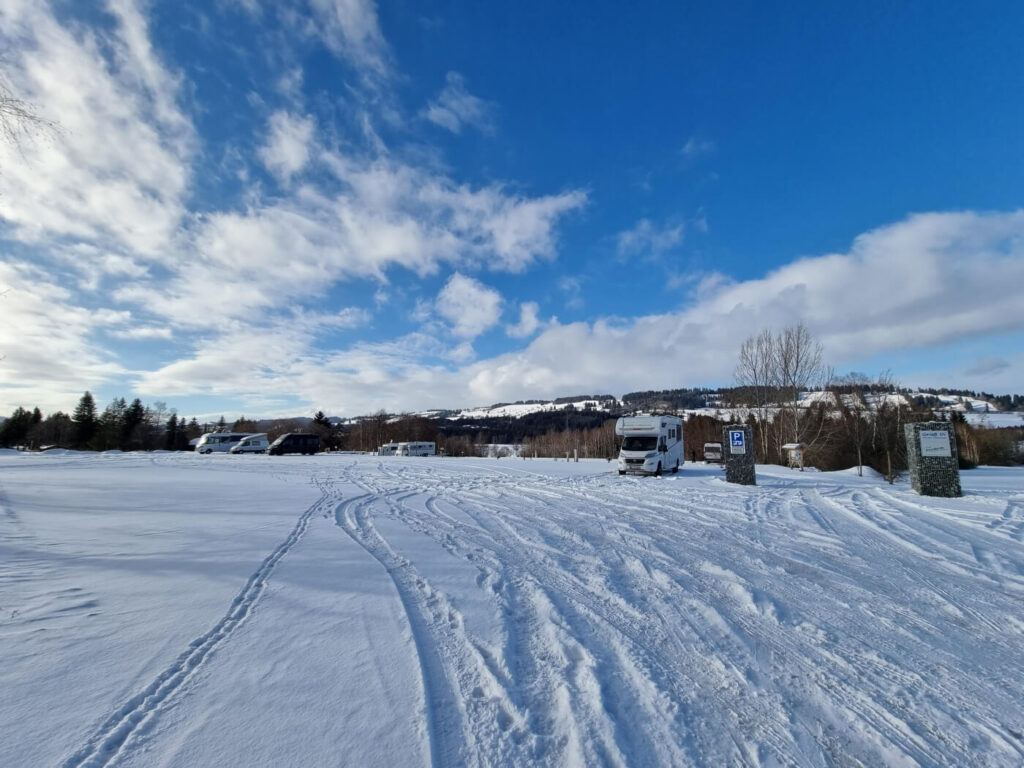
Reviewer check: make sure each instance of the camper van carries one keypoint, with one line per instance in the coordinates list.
(257, 443)
(650, 444)
(388, 449)
(219, 442)
(712, 453)
(294, 442)
(414, 449)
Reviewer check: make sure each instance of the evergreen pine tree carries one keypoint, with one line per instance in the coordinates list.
(111, 423)
(171, 433)
(134, 418)
(192, 431)
(85, 421)
(14, 431)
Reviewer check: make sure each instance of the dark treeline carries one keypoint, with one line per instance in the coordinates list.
(668, 400)
(465, 437)
(120, 426)
(856, 426)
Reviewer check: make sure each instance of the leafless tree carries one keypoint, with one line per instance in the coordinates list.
(774, 368)
(757, 373)
(800, 367)
(887, 418)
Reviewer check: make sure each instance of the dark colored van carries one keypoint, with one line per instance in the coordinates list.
(294, 443)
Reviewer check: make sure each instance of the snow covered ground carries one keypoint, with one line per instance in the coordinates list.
(176, 610)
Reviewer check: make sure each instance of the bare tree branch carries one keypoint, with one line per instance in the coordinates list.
(19, 120)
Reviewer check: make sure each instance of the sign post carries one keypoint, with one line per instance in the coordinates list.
(738, 442)
(932, 459)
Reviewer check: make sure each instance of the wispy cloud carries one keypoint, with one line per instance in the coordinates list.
(988, 365)
(455, 107)
(119, 169)
(646, 239)
(351, 30)
(143, 332)
(696, 146)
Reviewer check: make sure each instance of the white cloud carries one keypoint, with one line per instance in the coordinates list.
(573, 289)
(927, 280)
(528, 321)
(287, 148)
(49, 354)
(118, 168)
(143, 333)
(388, 215)
(921, 282)
(647, 239)
(289, 84)
(455, 107)
(350, 29)
(469, 306)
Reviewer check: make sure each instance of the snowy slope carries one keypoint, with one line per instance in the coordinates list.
(516, 410)
(181, 611)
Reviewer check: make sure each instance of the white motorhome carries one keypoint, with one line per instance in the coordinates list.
(650, 444)
(388, 449)
(415, 449)
(219, 442)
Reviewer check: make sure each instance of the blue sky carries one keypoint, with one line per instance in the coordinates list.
(273, 208)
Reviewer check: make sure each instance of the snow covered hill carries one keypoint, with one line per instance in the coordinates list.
(178, 610)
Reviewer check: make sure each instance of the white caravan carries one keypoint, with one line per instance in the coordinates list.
(650, 444)
(219, 442)
(712, 453)
(388, 449)
(257, 443)
(415, 449)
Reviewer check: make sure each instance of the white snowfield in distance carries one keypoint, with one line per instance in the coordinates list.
(176, 610)
(516, 410)
(979, 413)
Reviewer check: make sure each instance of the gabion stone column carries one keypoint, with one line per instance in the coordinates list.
(931, 456)
(738, 454)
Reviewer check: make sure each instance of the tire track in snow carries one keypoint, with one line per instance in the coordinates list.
(728, 653)
(470, 716)
(566, 624)
(441, 712)
(111, 740)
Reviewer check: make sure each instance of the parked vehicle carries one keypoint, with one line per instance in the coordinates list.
(252, 444)
(712, 453)
(650, 444)
(294, 443)
(414, 449)
(388, 449)
(219, 442)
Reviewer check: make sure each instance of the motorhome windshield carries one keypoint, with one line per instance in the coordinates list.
(637, 443)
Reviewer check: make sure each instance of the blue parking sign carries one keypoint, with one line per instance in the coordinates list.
(736, 441)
